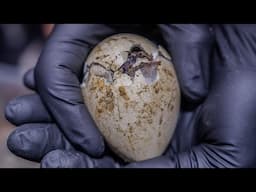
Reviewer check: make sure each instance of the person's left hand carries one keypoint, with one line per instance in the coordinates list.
(37, 135)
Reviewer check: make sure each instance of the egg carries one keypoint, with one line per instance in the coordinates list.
(132, 92)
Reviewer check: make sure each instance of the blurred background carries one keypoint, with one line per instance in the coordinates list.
(20, 47)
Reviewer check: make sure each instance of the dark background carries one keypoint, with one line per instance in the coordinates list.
(20, 47)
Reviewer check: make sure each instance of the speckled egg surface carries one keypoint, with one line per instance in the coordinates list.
(131, 91)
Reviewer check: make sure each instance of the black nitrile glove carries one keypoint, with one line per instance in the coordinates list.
(214, 132)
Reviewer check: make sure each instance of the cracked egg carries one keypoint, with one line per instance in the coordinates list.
(131, 91)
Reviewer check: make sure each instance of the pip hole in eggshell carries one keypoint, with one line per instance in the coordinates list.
(131, 90)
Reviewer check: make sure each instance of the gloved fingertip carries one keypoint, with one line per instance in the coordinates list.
(17, 143)
(64, 159)
(93, 146)
(29, 80)
(14, 143)
(194, 91)
(52, 159)
(106, 162)
(11, 111)
(27, 142)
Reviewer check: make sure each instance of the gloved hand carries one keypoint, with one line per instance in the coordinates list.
(214, 132)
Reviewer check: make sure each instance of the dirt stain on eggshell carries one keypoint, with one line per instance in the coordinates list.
(122, 93)
(106, 101)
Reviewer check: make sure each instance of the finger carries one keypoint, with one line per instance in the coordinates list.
(190, 47)
(29, 79)
(27, 109)
(158, 162)
(57, 76)
(65, 159)
(74, 159)
(33, 141)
